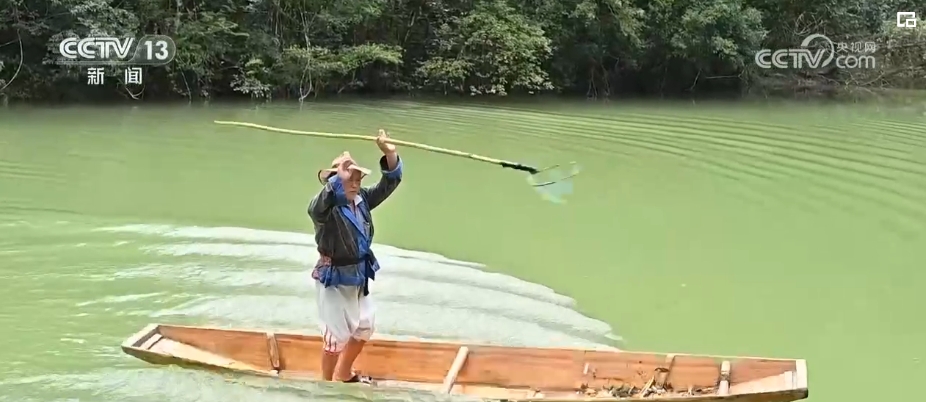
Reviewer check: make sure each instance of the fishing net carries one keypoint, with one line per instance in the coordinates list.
(555, 182)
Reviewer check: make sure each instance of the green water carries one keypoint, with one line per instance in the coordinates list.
(782, 231)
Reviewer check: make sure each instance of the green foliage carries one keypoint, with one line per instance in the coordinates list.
(271, 49)
(490, 50)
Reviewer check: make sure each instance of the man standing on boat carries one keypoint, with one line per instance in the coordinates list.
(343, 224)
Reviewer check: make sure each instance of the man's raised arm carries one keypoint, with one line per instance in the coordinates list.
(391, 166)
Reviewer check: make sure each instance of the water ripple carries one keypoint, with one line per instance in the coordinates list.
(420, 294)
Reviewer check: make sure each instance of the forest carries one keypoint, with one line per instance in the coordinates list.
(303, 49)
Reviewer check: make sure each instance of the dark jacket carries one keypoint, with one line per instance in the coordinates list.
(344, 238)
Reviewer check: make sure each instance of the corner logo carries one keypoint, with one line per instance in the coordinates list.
(821, 56)
(150, 50)
(906, 19)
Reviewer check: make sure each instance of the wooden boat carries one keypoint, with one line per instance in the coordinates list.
(487, 372)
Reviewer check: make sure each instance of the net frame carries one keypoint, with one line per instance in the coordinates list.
(555, 182)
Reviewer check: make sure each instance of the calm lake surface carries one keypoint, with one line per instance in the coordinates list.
(790, 230)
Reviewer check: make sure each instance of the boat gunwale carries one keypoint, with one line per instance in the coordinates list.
(136, 339)
(478, 345)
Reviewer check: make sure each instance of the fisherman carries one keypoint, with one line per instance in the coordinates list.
(343, 224)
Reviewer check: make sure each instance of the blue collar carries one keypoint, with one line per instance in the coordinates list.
(349, 214)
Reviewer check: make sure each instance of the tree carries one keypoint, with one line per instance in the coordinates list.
(273, 49)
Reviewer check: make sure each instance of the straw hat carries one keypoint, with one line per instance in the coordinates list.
(324, 174)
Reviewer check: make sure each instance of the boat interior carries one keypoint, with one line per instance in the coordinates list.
(490, 372)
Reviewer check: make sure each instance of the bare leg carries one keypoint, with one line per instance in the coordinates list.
(346, 362)
(329, 362)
